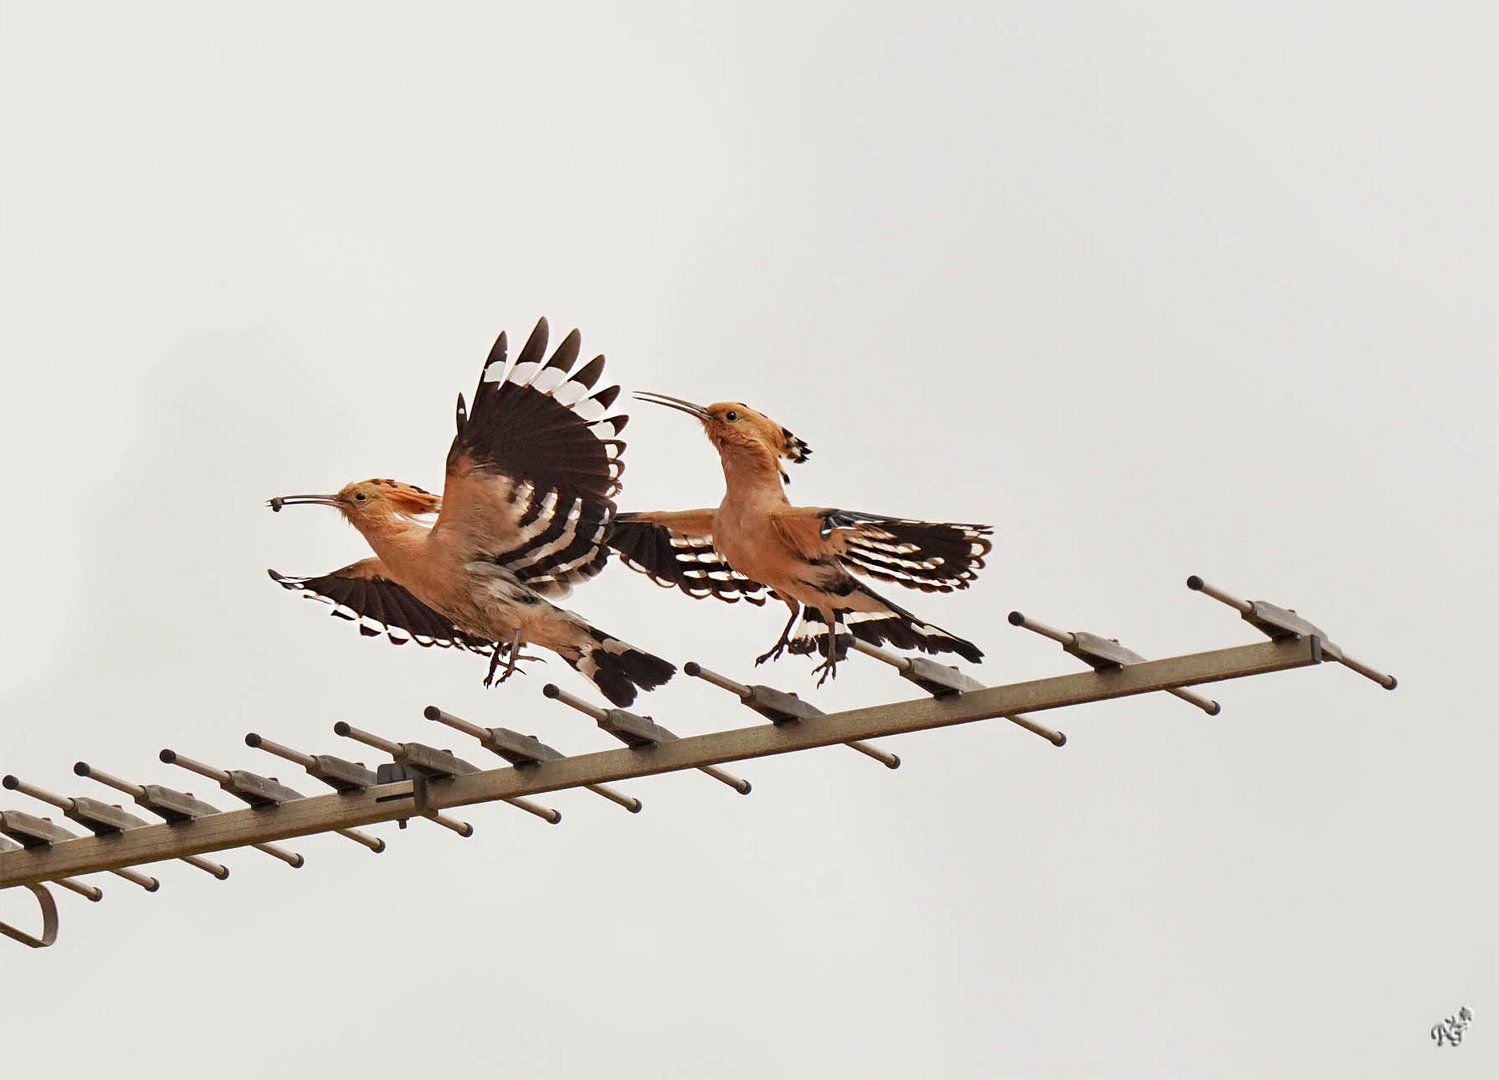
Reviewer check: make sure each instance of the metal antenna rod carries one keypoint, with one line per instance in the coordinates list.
(98, 818)
(1103, 653)
(636, 731)
(260, 742)
(364, 798)
(260, 791)
(83, 768)
(349, 731)
(939, 681)
(145, 881)
(439, 765)
(169, 757)
(1278, 622)
(395, 750)
(1196, 584)
(148, 797)
(781, 708)
(522, 750)
(90, 892)
(314, 768)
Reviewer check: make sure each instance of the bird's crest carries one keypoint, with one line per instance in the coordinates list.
(735, 429)
(751, 426)
(793, 448)
(403, 498)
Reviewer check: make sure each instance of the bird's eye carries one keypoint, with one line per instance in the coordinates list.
(359, 496)
(731, 416)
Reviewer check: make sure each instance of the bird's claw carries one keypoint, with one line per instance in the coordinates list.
(774, 654)
(828, 669)
(515, 657)
(492, 679)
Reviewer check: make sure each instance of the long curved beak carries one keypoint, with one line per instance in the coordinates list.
(302, 500)
(674, 403)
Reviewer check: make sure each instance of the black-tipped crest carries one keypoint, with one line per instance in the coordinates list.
(794, 449)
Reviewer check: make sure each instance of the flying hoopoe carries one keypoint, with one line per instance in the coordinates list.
(805, 555)
(526, 506)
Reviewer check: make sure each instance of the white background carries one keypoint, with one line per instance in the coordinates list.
(1155, 290)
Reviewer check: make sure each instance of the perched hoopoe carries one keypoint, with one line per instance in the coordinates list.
(803, 554)
(525, 509)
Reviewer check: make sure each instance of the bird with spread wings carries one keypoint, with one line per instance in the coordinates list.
(807, 557)
(526, 508)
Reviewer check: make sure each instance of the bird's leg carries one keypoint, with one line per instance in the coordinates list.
(512, 647)
(494, 662)
(828, 669)
(514, 656)
(780, 646)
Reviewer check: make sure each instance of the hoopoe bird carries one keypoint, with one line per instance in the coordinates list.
(806, 556)
(526, 506)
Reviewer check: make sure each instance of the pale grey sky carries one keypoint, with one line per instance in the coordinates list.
(1184, 288)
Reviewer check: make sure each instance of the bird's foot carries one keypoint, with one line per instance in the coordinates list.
(834, 647)
(510, 669)
(494, 663)
(515, 656)
(775, 653)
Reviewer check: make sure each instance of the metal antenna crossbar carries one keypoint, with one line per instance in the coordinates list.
(1278, 622)
(257, 790)
(31, 832)
(779, 707)
(424, 763)
(83, 889)
(423, 781)
(941, 681)
(103, 819)
(1105, 654)
(523, 750)
(398, 799)
(637, 732)
(172, 805)
(346, 777)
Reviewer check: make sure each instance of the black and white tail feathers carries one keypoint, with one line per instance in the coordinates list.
(618, 668)
(894, 626)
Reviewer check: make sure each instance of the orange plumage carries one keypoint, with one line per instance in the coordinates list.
(526, 507)
(805, 556)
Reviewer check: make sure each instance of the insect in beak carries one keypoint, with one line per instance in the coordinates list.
(301, 500)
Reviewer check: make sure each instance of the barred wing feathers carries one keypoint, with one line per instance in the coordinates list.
(534, 467)
(675, 549)
(926, 555)
(363, 594)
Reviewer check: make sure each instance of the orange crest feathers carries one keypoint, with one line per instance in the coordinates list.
(403, 498)
(410, 499)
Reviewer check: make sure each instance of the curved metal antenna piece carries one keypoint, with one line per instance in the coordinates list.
(49, 921)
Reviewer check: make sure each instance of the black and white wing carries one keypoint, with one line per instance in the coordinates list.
(363, 594)
(926, 555)
(533, 470)
(675, 549)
